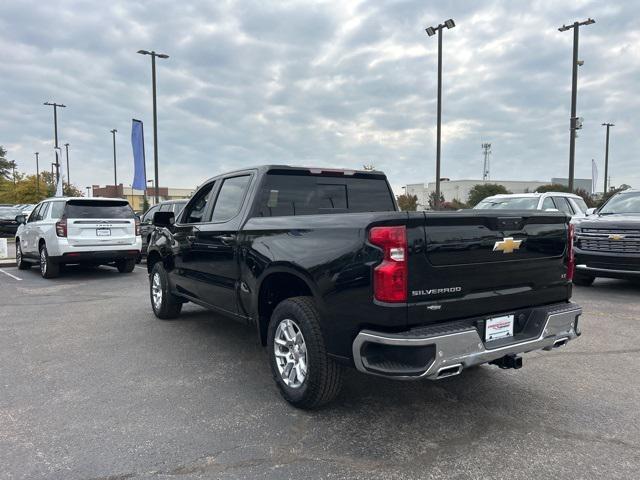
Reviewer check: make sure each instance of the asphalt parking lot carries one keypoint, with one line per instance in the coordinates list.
(94, 387)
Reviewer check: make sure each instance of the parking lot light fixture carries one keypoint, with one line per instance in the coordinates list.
(153, 55)
(431, 31)
(574, 122)
(115, 171)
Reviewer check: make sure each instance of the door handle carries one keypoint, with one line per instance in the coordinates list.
(226, 238)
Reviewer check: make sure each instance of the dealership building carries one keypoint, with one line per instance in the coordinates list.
(459, 189)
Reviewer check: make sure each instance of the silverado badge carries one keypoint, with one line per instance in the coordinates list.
(616, 236)
(508, 245)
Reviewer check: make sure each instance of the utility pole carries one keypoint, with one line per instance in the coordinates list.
(155, 113)
(55, 133)
(66, 146)
(575, 123)
(115, 173)
(606, 155)
(38, 175)
(431, 31)
(486, 147)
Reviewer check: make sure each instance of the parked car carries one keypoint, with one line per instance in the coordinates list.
(96, 231)
(330, 273)
(8, 223)
(146, 224)
(608, 241)
(569, 203)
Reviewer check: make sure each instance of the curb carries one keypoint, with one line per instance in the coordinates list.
(11, 263)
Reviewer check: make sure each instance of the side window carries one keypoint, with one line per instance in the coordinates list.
(34, 215)
(148, 217)
(230, 198)
(165, 207)
(57, 209)
(194, 210)
(44, 211)
(548, 203)
(177, 208)
(563, 205)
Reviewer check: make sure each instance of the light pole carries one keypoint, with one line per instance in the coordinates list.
(431, 31)
(155, 112)
(574, 123)
(37, 175)
(15, 194)
(55, 132)
(66, 146)
(115, 173)
(606, 155)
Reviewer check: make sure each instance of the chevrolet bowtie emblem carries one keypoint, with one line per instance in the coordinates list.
(508, 245)
(616, 236)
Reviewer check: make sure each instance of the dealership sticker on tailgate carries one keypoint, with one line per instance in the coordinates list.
(499, 327)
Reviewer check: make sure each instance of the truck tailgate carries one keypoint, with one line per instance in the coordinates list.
(484, 262)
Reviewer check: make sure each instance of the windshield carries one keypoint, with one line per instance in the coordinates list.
(508, 203)
(622, 203)
(9, 212)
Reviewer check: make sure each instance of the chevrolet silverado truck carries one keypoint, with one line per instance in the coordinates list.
(331, 274)
(608, 240)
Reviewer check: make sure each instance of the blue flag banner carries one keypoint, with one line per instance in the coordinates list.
(139, 166)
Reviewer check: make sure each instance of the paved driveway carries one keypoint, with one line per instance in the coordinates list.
(92, 386)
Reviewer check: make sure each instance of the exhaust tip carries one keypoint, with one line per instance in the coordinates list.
(450, 371)
(560, 342)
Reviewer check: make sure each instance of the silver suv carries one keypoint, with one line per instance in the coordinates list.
(569, 203)
(96, 231)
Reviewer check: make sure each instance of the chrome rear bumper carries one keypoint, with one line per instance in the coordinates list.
(447, 354)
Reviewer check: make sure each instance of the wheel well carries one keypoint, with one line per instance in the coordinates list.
(274, 289)
(41, 243)
(153, 257)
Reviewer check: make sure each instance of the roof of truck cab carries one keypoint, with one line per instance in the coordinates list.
(313, 169)
(60, 199)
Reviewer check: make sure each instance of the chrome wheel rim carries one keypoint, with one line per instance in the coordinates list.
(291, 353)
(156, 291)
(43, 261)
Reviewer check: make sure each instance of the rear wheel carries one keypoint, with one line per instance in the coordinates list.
(126, 266)
(20, 263)
(48, 268)
(164, 303)
(582, 279)
(306, 376)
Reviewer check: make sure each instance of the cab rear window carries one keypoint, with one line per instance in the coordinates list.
(98, 209)
(292, 193)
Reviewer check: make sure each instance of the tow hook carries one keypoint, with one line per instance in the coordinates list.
(508, 361)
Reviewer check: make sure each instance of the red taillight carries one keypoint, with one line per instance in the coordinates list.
(138, 227)
(61, 228)
(571, 259)
(390, 277)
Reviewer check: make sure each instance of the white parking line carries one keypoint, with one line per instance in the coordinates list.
(10, 275)
(141, 268)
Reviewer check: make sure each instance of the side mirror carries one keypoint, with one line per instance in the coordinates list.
(163, 219)
(137, 217)
(591, 211)
(21, 219)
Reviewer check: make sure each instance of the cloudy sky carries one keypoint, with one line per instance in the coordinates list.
(328, 83)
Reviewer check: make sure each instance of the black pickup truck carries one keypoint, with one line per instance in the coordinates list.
(331, 274)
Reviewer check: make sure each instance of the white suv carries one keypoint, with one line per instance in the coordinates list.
(569, 203)
(71, 230)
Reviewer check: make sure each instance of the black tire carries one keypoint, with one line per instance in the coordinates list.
(48, 268)
(126, 266)
(323, 376)
(20, 263)
(583, 280)
(169, 305)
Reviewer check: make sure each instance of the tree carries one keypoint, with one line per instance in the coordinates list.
(432, 200)
(145, 202)
(586, 196)
(483, 190)
(552, 187)
(6, 166)
(456, 204)
(407, 203)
